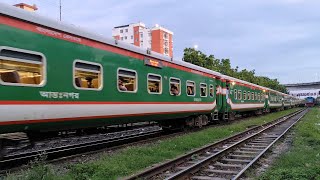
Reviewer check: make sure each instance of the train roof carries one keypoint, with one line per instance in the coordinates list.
(242, 81)
(68, 28)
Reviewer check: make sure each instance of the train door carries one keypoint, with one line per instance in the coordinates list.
(225, 100)
(266, 100)
(218, 98)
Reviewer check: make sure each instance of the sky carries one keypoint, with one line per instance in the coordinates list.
(277, 38)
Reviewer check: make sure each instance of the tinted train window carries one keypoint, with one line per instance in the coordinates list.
(154, 84)
(256, 96)
(175, 86)
(249, 95)
(235, 94)
(87, 75)
(21, 67)
(252, 95)
(211, 91)
(191, 91)
(203, 90)
(127, 80)
(239, 95)
(244, 95)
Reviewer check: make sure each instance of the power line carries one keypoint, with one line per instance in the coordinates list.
(60, 8)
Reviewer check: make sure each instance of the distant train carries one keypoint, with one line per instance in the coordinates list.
(56, 77)
(310, 102)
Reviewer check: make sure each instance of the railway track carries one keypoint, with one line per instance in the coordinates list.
(85, 144)
(229, 158)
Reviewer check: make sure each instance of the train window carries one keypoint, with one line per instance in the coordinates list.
(154, 84)
(203, 90)
(239, 95)
(87, 75)
(252, 95)
(235, 94)
(249, 95)
(244, 95)
(256, 96)
(259, 96)
(211, 91)
(127, 80)
(21, 67)
(175, 87)
(191, 91)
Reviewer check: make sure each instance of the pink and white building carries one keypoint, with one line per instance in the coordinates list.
(157, 39)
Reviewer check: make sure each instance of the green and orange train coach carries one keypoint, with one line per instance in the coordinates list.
(55, 77)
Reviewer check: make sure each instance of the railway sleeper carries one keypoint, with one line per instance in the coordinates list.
(205, 178)
(236, 161)
(228, 166)
(218, 172)
(238, 156)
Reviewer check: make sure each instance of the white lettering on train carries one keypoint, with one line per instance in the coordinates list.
(59, 95)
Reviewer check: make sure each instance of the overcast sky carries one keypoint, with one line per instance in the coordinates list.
(278, 38)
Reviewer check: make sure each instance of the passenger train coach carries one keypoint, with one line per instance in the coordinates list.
(55, 77)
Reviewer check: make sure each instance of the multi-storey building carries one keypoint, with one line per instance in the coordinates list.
(26, 7)
(157, 39)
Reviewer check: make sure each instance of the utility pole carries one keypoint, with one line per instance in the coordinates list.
(60, 8)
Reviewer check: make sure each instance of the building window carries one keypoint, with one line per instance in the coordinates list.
(165, 35)
(127, 80)
(166, 51)
(121, 38)
(87, 75)
(126, 30)
(154, 84)
(191, 91)
(211, 90)
(125, 37)
(175, 87)
(131, 37)
(21, 67)
(141, 35)
(121, 31)
(203, 90)
(235, 94)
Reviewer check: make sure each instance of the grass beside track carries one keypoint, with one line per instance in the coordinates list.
(302, 161)
(133, 159)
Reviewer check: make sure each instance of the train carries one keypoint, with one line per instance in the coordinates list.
(57, 77)
(310, 101)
